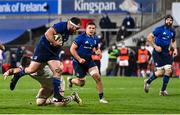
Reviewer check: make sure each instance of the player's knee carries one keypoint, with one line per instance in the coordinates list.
(168, 70)
(82, 83)
(40, 101)
(97, 77)
(159, 72)
(58, 70)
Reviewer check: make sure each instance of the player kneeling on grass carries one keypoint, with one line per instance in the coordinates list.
(161, 39)
(82, 49)
(43, 76)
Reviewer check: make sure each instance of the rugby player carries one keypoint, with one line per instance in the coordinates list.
(47, 51)
(82, 49)
(44, 77)
(161, 39)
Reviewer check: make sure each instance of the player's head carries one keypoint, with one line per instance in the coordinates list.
(25, 61)
(74, 24)
(168, 20)
(90, 28)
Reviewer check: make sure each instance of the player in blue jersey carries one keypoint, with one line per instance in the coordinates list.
(161, 39)
(82, 49)
(47, 51)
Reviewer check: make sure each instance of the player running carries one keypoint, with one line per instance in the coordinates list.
(161, 39)
(47, 51)
(82, 49)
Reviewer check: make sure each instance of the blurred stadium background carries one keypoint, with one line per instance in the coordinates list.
(22, 22)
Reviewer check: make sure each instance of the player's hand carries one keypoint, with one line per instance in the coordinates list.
(81, 60)
(98, 52)
(58, 43)
(175, 53)
(8, 73)
(158, 48)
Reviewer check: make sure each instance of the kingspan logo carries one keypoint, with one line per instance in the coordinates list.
(92, 7)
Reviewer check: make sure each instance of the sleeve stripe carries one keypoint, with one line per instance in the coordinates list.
(75, 43)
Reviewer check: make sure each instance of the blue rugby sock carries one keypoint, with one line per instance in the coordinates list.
(165, 82)
(56, 83)
(21, 73)
(152, 77)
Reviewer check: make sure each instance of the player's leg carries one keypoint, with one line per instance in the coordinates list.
(38, 57)
(76, 98)
(158, 73)
(167, 75)
(62, 85)
(43, 95)
(57, 68)
(80, 73)
(94, 72)
(19, 72)
(76, 81)
(47, 89)
(66, 100)
(30, 69)
(73, 97)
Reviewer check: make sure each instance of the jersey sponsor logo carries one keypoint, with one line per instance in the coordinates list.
(35, 57)
(86, 42)
(172, 33)
(95, 42)
(86, 47)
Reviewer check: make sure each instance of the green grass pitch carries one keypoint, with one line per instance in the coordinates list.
(125, 96)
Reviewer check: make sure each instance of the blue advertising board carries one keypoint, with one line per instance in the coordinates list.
(28, 7)
(106, 6)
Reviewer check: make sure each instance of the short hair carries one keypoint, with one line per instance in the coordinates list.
(25, 61)
(168, 16)
(90, 23)
(75, 20)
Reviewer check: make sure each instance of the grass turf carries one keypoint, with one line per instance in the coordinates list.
(125, 96)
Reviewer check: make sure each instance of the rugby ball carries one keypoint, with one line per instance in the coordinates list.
(57, 37)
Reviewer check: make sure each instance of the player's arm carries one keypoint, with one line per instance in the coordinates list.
(174, 45)
(11, 71)
(97, 51)
(75, 54)
(150, 40)
(49, 34)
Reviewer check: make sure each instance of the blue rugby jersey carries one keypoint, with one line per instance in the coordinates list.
(44, 50)
(62, 29)
(163, 36)
(85, 45)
